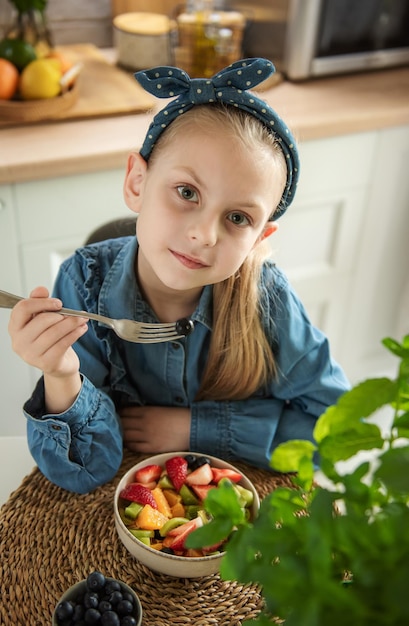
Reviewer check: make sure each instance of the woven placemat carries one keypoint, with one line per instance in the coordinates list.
(50, 539)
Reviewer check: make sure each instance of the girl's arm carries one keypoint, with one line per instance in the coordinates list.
(80, 448)
(77, 443)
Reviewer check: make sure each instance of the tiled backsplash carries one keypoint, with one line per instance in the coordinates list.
(74, 21)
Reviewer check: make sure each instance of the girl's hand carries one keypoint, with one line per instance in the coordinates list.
(155, 428)
(43, 339)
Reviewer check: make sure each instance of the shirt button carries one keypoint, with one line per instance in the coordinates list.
(55, 427)
(179, 399)
(175, 345)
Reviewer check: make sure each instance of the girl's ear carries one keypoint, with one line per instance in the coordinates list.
(134, 179)
(269, 229)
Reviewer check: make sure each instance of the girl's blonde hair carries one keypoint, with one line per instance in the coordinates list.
(240, 360)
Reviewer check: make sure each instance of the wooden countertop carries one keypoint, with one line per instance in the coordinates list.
(314, 109)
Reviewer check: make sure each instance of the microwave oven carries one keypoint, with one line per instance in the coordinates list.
(311, 38)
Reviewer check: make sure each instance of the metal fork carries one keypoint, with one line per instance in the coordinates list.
(137, 332)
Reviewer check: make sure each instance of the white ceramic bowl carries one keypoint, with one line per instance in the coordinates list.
(170, 564)
(77, 590)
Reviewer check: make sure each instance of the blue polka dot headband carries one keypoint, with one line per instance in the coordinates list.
(229, 86)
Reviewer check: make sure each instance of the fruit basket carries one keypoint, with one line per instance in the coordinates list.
(37, 110)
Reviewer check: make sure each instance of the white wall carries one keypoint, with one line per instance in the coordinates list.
(72, 21)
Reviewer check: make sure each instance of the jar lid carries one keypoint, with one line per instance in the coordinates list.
(142, 23)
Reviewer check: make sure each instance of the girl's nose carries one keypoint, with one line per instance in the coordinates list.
(204, 230)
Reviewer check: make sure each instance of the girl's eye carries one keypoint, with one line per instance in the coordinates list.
(187, 193)
(238, 219)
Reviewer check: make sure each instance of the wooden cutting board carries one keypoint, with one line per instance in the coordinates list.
(104, 89)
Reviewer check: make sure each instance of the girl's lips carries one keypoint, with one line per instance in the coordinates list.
(187, 261)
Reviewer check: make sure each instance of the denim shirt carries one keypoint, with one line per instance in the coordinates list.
(81, 448)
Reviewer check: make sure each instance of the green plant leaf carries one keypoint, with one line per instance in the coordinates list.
(353, 438)
(402, 420)
(224, 502)
(24, 6)
(400, 350)
(210, 534)
(359, 402)
(392, 470)
(288, 456)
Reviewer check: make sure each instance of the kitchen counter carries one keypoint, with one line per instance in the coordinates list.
(314, 109)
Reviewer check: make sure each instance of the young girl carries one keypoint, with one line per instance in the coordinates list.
(217, 168)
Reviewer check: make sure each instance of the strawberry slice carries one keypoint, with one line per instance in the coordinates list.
(219, 473)
(176, 469)
(203, 475)
(148, 474)
(182, 532)
(202, 490)
(138, 493)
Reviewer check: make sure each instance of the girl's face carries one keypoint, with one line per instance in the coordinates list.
(203, 204)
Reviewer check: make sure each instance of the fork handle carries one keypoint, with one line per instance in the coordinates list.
(9, 300)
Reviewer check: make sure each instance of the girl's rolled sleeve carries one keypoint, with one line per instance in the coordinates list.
(81, 448)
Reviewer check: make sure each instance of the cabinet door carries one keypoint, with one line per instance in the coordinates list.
(57, 215)
(380, 296)
(14, 373)
(317, 249)
(318, 240)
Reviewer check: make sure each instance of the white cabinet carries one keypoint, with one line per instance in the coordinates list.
(378, 302)
(55, 217)
(343, 245)
(318, 240)
(14, 374)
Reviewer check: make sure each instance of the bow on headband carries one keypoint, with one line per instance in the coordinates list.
(228, 86)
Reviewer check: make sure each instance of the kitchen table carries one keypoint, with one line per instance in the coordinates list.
(51, 538)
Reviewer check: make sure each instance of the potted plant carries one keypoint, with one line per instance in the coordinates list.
(30, 25)
(336, 552)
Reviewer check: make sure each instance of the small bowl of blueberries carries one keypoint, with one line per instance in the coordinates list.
(98, 600)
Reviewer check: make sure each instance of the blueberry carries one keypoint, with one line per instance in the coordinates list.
(201, 460)
(92, 616)
(124, 607)
(91, 600)
(128, 596)
(65, 610)
(96, 581)
(79, 612)
(110, 618)
(190, 459)
(111, 586)
(128, 620)
(104, 605)
(115, 598)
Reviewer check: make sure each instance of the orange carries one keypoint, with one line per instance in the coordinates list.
(9, 78)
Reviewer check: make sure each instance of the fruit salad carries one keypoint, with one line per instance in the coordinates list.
(163, 505)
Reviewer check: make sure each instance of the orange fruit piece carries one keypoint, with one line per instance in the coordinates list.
(150, 518)
(172, 497)
(178, 510)
(160, 499)
(9, 79)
